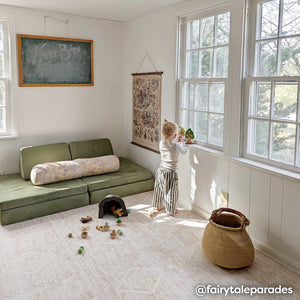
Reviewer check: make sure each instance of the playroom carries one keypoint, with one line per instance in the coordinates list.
(149, 149)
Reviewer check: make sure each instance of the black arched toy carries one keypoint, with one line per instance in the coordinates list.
(107, 203)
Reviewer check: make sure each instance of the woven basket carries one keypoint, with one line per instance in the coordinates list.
(225, 241)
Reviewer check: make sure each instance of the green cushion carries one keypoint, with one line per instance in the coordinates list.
(19, 214)
(123, 190)
(91, 148)
(16, 192)
(129, 172)
(31, 156)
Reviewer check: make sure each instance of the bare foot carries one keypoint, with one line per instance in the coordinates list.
(160, 208)
(176, 211)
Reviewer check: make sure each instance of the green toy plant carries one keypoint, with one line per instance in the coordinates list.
(189, 133)
(119, 221)
(181, 131)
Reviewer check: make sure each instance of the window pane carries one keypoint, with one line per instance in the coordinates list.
(201, 126)
(2, 93)
(290, 56)
(2, 120)
(222, 62)
(187, 97)
(258, 136)
(283, 142)
(186, 119)
(216, 100)
(1, 38)
(291, 17)
(207, 32)
(285, 102)
(192, 61)
(194, 34)
(260, 100)
(267, 17)
(201, 99)
(223, 29)
(266, 58)
(1, 64)
(216, 124)
(206, 57)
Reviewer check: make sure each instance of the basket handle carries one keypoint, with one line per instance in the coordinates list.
(217, 212)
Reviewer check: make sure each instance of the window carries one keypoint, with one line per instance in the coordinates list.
(5, 79)
(273, 110)
(204, 75)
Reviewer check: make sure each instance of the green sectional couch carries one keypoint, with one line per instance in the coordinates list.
(21, 200)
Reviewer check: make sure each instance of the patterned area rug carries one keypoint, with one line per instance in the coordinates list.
(155, 258)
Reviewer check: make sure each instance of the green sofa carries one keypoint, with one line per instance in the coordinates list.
(20, 200)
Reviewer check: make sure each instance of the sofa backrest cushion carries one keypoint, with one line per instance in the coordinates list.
(91, 148)
(34, 155)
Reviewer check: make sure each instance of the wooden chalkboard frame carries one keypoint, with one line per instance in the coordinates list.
(22, 84)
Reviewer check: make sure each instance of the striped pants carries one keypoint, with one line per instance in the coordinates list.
(166, 188)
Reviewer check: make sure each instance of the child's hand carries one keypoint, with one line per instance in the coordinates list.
(179, 139)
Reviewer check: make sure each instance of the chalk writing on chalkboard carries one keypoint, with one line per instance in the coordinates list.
(51, 61)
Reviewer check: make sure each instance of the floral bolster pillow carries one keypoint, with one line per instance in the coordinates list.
(70, 169)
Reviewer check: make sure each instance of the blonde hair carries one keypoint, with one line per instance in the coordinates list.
(169, 129)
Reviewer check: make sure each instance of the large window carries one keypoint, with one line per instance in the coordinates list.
(273, 110)
(5, 79)
(204, 75)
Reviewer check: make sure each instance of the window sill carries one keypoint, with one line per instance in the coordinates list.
(9, 137)
(249, 163)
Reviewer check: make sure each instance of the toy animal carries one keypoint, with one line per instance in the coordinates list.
(85, 220)
(117, 212)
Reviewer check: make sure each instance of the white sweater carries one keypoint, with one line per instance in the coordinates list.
(169, 152)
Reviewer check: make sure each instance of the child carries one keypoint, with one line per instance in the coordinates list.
(166, 179)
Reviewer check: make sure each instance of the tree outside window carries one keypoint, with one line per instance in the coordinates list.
(273, 114)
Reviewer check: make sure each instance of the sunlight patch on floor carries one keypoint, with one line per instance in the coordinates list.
(193, 223)
(159, 221)
(139, 206)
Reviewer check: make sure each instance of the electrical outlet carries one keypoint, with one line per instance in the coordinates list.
(224, 199)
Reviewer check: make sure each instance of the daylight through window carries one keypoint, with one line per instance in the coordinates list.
(4, 77)
(204, 74)
(273, 89)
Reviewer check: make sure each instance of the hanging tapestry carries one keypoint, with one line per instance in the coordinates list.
(146, 115)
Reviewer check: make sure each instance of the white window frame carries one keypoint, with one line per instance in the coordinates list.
(249, 78)
(213, 11)
(6, 78)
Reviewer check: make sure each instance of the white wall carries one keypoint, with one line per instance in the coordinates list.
(151, 35)
(269, 200)
(62, 114)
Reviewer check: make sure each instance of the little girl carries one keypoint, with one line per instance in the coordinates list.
(166, 179)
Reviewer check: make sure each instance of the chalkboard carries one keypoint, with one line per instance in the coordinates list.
(54, 61)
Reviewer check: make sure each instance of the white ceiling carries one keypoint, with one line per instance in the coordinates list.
(117, 10)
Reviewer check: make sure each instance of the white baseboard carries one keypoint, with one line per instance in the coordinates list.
(272, 253)
(279, 257)
(201, 212)
(186, 204)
